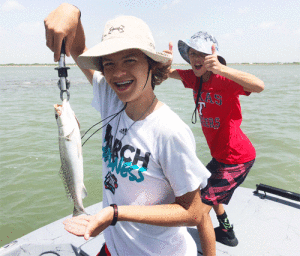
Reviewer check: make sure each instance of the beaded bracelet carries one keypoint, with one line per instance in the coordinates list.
(115, 219)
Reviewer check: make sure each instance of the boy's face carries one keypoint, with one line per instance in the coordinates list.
(197, 62)
(126, 73)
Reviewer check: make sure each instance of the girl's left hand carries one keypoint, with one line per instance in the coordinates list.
(212, 63)
(89, 226)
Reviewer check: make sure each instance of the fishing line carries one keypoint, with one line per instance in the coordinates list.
(102, 121)
(114, 116)
(114, 146)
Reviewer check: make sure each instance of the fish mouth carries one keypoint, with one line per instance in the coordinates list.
(124, 85)
(58, 110)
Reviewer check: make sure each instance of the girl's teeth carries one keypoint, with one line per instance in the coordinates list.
(124, 83)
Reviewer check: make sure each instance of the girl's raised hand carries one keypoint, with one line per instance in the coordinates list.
(61, 24)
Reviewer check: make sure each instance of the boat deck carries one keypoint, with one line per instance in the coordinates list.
(264, 225)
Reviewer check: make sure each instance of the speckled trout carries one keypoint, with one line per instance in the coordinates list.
(70, 150)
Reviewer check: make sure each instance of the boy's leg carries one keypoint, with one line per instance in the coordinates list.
(224, 233)
(222, 216)
(221, 185)
(219, 209)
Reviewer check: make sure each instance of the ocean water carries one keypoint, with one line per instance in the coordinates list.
(32, 194)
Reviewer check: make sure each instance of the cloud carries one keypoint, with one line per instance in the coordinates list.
(296, 32)
(12, 5)
(267, 24)
(174, 2)
(1, 31)
(243, 10)
(165, 7)
(278, 27)
(31, 28)
(233, 34)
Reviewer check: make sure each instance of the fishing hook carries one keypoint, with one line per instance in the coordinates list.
(63, 83)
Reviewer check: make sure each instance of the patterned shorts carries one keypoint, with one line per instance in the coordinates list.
(224, 179)
(104, 251)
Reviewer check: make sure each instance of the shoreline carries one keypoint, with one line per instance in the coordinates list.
(175, 64)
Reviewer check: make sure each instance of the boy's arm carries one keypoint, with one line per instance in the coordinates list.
(171, 72)
(174, 74)
(64, 23)
(249, 82)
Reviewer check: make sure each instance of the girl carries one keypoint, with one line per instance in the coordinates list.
(151, 173)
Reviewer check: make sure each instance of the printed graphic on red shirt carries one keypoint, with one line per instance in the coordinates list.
(204, 100)
(221, 116)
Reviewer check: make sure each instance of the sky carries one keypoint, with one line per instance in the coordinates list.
(247, 31)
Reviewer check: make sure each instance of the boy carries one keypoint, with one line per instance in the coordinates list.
(216, 90)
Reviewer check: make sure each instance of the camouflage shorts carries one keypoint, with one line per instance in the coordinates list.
(224, 179)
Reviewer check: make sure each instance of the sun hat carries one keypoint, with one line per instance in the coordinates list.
(122, 33)
(201, 42)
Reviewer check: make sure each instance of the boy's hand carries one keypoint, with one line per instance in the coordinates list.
(212, 63)
(165, 68)
(170, 51)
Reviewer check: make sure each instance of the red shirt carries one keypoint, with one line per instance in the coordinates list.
(221, 116)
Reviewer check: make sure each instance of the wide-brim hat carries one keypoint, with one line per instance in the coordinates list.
(122, 33)
(201, 42)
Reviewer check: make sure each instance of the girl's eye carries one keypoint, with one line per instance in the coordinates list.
(107, 64)
(130, 60)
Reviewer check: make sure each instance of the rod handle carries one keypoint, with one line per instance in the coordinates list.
(63, 47)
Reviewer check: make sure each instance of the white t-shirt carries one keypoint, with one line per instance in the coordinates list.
(153, 163)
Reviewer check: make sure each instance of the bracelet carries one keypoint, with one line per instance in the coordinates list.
(115, 219)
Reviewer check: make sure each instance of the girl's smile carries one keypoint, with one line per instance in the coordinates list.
(122, 86)
(127, 72)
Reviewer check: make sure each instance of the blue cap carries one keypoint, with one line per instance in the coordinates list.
(201, 42)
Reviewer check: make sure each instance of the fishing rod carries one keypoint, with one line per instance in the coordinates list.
(63, 83)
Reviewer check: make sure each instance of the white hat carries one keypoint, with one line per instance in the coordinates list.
(122, 33)
(201, 42)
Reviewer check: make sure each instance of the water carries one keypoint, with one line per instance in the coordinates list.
(32, 194)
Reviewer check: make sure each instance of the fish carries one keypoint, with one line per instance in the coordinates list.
(70, 149)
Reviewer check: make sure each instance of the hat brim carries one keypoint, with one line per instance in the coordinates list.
(184, 47)
(90, 58)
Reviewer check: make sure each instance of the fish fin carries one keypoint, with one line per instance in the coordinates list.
(68, 137)
(83, 192)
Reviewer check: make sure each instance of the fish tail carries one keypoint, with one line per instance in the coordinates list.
(77, 212)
